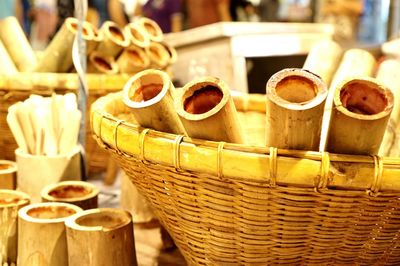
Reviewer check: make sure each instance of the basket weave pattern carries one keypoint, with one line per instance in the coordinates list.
(218, 219)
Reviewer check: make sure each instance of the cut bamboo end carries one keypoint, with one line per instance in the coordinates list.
(294, 109)
(8, 174)
(137, 35)
(10, 202)
(158, 55)
(87, 30)
(173, 55)
(91, 232)
(361, 111)
(100, 63)
(79, 193)
(151, 28)
(115, 39)
(149, 94)
(42, 238)
(133, 59)
(207, 111)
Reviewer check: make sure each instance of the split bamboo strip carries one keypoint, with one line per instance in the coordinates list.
(158, 55)
(42, 238)
(115, 39)
(8, 174)
(207, 111)
(7, 66)
(133, 59)
(137, 35)
(101, 237)
(323, 59)
(362, 108)
(152, 29)
(10, 202)
(17, 45)
(149, 94)
(58, 55)
(102, 63)
(294, 109)
(79, 193)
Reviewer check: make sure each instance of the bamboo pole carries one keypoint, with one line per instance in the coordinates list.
(79, 193)
(133, 59)
(137, 35)
(7, 66)
(361, 111)
(101, 63)
(115, 39)
(8, 174)
(151, 28)
(17, 45)
(158, 55)
(10, 202)
(42, 239)
(101, 237)
(149, 94)
(294, 109)
(207, 111)
(58, 55)
(323, 59)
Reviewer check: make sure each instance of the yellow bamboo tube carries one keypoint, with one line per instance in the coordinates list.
(323, 59)
(149, 94)
(137, 35)
(158, 55)
(294, 109)
(207, 111)
(58, 55)
(10, 202)
(79, 193)
(151, 28)
(17, 45)
(100, 63)
(133, 59)
(101, 237)
(42, 239)
(98, 37)
(173, 55)
(115, 39)
(8, 174)
(362, 108)
(7, 66)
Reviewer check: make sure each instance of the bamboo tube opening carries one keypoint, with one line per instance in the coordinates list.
(7, 166)
(203, 100)
(10, 198)
(102, 63)
(50, 212)
(69, 191)
(105, 219)
(147, 92)
(117, 33)
(85, 29)
(98, 62)
(136, 34)
(136, 57)
(158, 54)
(152, 29)
(296, 89)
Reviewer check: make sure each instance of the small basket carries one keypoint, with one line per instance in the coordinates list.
(18, 87)
(231, 204)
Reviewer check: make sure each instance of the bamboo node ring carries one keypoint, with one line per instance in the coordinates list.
(176, 149)
(141, 144)
(378, 173)
(119, 122)
(273, 165)
(322, 181)
(219, 159)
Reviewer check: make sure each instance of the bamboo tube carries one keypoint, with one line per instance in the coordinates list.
(8, 174)
(115, 39)
(7, 66)
(137, 35)
(17, 45)
(362, 108)
(149, 94)
(98, 37)
(133, 59)
(58, 55)
(173, 55)
(79, 193)
(294, 109)
(10, 202)
(207, 111)
(101, 63)
(158, 55)
(101, 237)
(42, 238)
(323, 59)
(151, 28)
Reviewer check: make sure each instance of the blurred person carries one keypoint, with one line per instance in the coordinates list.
(44, 23)
(203, 12)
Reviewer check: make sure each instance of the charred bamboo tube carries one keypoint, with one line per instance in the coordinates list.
(8, 174)
(133, 59)
(158, 55)
(7, 66)
(173, 55)
(294, 109)
(149, 94)
(100, 63)
(151, 28)
(361, 111)
(42, 238)
(79, 193)
(98, 37)
(207, 111)
(323, 59)
(58, 55)
(17, 45)
(92, 232)
(115, 39)
(10, 202)
(137, 35)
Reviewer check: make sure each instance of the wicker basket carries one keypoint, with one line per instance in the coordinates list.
(229, 204)
(18, 88)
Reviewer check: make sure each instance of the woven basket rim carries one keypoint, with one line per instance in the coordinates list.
(275, 166)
